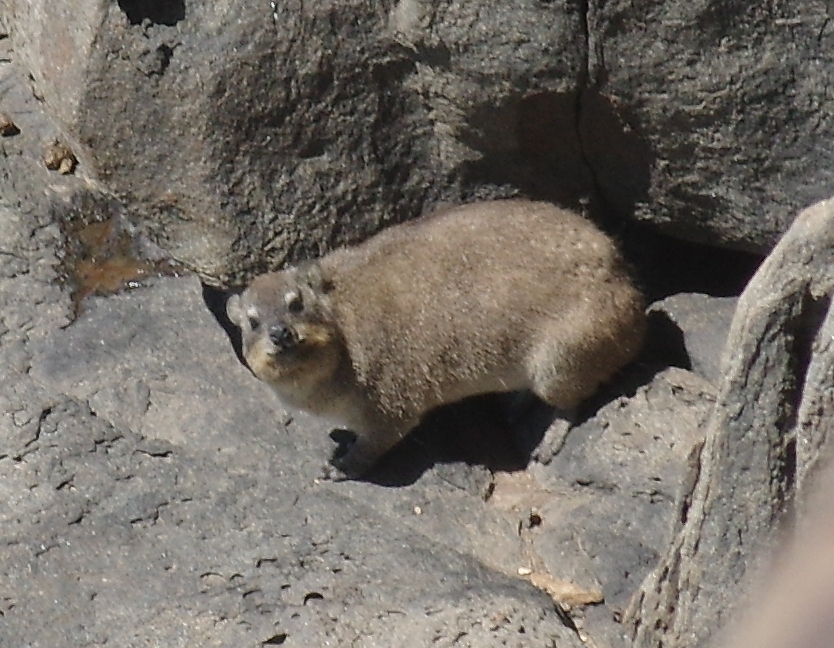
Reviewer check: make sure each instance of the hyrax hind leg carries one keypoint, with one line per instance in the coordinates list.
(563, 372)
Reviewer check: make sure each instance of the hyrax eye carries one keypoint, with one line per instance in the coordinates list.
(293, 301)
(254, 323)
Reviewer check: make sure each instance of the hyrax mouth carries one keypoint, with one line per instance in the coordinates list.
(301, 338)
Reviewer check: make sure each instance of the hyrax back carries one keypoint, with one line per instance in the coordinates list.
(494, 296)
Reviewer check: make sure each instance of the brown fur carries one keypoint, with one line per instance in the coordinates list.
(493, 296)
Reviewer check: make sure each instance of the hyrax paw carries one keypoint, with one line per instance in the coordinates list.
(329, 472)
(552, 441)
(351, 465)
(353, 457)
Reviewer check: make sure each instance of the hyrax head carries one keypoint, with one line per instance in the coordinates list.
(287, 334)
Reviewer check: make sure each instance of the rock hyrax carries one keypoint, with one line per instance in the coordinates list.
(494, 296)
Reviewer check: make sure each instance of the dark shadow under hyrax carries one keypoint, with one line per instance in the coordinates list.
(158, 12)
(474, 431)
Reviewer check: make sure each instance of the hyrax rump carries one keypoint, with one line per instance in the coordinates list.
(489, 297)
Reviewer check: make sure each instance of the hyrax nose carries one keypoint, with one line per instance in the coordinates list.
(281, 336)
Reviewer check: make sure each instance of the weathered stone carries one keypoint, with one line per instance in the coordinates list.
(770, 427)
(703, 322)
(623, 470)
(705, 118)
(243, 134)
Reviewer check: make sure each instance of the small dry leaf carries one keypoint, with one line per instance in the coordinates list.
(565, 592)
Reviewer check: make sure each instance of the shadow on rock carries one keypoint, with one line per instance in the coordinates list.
(475, 431)
(215, 300)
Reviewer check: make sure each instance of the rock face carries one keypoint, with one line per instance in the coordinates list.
(243, 133)
(240, 133)
(703, 322)
(769, 433)
(726, 101)
(793, 609)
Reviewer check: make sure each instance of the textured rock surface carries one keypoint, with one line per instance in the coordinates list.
(770, 429)
(726, 101)
(619, 476)
(242, 133)
(703, 322)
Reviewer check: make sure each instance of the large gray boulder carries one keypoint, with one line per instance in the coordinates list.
(770, 431)
(703, 322)
(708, 116)
(245, 133)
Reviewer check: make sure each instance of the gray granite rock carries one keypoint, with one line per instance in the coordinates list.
(767, 436)
(620, 475)
(704, 118)
(242, 134)
(704, 322)
(245, 132)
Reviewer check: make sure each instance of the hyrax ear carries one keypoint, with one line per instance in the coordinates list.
(233, 310)
(316, 278)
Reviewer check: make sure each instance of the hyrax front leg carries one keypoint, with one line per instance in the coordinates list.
(365, 450)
